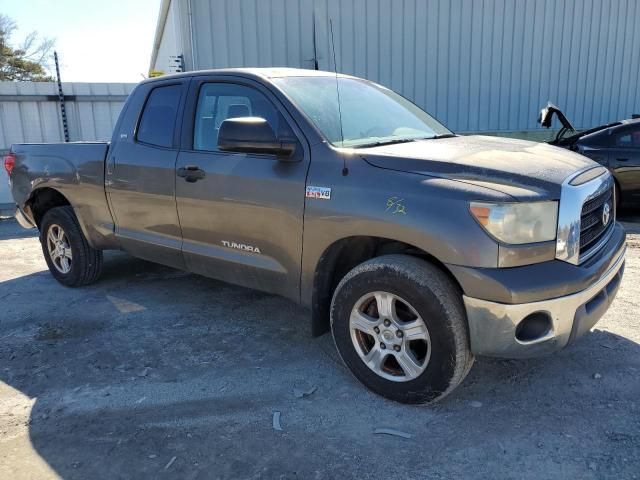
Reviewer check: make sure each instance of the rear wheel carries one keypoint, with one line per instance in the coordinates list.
(400, 326)
(70, 258)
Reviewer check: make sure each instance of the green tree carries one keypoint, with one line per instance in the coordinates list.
(26, 62)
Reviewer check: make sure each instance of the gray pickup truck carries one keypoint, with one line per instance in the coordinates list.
(416, 247)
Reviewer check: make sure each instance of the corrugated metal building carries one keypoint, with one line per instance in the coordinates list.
(477, 65)
(30, 112)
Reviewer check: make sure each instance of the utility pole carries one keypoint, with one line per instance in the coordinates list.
(63, 110)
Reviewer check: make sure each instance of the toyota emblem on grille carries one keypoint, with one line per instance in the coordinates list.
(606, 214)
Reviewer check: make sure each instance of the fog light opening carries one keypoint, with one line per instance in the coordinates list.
(533, 327)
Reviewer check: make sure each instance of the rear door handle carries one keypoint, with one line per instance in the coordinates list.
(191, 173)
(622, 159)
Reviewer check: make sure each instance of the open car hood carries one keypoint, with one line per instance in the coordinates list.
(546, 116)
(568, 135)
(545, 119)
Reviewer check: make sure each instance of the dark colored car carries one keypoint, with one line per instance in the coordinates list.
(614, 145)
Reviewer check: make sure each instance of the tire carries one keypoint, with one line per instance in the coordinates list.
(70, 258)
(419, 291)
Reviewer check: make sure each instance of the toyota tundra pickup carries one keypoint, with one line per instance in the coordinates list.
(416, 247)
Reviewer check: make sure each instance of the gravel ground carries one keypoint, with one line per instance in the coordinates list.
(157, 373)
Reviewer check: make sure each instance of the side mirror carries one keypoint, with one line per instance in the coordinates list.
(252, 135)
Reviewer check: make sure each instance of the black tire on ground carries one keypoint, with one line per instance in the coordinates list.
(435, 297)
(86, 262)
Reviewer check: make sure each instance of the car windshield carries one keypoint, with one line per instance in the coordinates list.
(371, 114)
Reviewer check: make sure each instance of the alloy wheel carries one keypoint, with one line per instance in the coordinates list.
(390, 336)
(59, 249)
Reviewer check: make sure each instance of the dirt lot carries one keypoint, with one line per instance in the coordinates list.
(153, 372)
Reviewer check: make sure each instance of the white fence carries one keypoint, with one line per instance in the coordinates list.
(30, 112)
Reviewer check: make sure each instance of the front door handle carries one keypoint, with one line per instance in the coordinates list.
(191, 173)
(622, 159)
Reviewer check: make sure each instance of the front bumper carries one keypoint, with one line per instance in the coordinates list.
(493, 325)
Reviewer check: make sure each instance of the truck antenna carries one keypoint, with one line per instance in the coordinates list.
(345, 170)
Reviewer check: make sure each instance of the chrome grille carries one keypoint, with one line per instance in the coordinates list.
(592, 227)
(581, 232)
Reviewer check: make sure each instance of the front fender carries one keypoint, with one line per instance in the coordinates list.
(431, 214)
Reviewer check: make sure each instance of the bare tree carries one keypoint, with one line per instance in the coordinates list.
(29, 61)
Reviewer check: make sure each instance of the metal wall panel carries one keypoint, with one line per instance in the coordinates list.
(26, 115)
(232, 33)
(171, 42)
(477, 65)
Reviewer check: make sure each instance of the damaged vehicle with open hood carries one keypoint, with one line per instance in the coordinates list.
(416, 247)
(615, 145)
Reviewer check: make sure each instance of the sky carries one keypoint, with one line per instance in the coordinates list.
(96, 40)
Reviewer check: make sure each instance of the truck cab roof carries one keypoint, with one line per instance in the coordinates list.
(260, 73)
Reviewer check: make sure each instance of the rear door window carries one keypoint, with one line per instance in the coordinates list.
(158, 120)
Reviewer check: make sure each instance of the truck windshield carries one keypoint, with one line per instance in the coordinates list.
(371, 115)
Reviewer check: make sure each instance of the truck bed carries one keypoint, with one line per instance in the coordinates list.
(76, 170)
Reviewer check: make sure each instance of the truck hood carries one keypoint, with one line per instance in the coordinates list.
(525, 170)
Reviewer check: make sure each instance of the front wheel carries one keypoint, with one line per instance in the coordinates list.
(70, 258)
(400, 327)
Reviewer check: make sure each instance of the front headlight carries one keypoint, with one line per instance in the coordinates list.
(518, 223)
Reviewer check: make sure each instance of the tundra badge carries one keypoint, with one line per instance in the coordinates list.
(240, 246)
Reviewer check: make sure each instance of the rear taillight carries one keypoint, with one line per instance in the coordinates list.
(9, 162)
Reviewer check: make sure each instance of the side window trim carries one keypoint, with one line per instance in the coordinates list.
(175, 143)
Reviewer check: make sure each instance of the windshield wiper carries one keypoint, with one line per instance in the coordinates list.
(404, 140)
(443, 135)
(387, 142)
